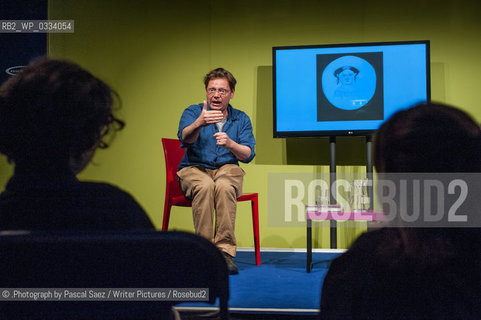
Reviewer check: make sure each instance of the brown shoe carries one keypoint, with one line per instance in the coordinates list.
(231, 266)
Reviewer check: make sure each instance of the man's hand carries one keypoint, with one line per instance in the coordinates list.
(191, 133)
(241, 152)
(223, 140)
(209, 116)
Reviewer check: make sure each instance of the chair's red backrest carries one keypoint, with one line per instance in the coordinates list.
(173, 153)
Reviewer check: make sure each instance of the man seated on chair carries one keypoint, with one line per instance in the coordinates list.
(216, 137)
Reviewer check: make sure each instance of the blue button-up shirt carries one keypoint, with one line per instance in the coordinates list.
(205, 151)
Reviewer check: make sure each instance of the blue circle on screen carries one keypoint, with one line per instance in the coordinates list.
(349, 82)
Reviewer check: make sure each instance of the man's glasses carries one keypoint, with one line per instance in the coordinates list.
(222, 92)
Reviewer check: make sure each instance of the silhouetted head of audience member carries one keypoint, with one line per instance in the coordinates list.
(54, 113)
(428, 138)
(411, 269)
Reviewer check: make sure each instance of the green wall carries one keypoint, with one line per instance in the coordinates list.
(155, 53)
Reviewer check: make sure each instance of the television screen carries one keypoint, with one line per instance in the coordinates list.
(346, 89)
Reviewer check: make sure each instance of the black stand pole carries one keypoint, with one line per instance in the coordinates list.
(332, 179)
(309, 245)
(369, 171)
(369, 174)
(333, 223)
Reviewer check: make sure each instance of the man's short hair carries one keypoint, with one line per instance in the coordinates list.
(220, 73)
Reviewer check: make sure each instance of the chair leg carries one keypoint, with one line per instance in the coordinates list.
(255, 224)
(165, 222)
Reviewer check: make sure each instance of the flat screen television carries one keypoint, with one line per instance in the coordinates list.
(346, 89)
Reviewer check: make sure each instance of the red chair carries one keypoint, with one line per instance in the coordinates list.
(174, 197)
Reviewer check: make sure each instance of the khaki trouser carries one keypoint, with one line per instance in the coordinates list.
(209, 190)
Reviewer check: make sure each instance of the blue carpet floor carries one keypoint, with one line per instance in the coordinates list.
(280, 285)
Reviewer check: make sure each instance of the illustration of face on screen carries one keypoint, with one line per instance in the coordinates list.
(353, 88)
(350, 86)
